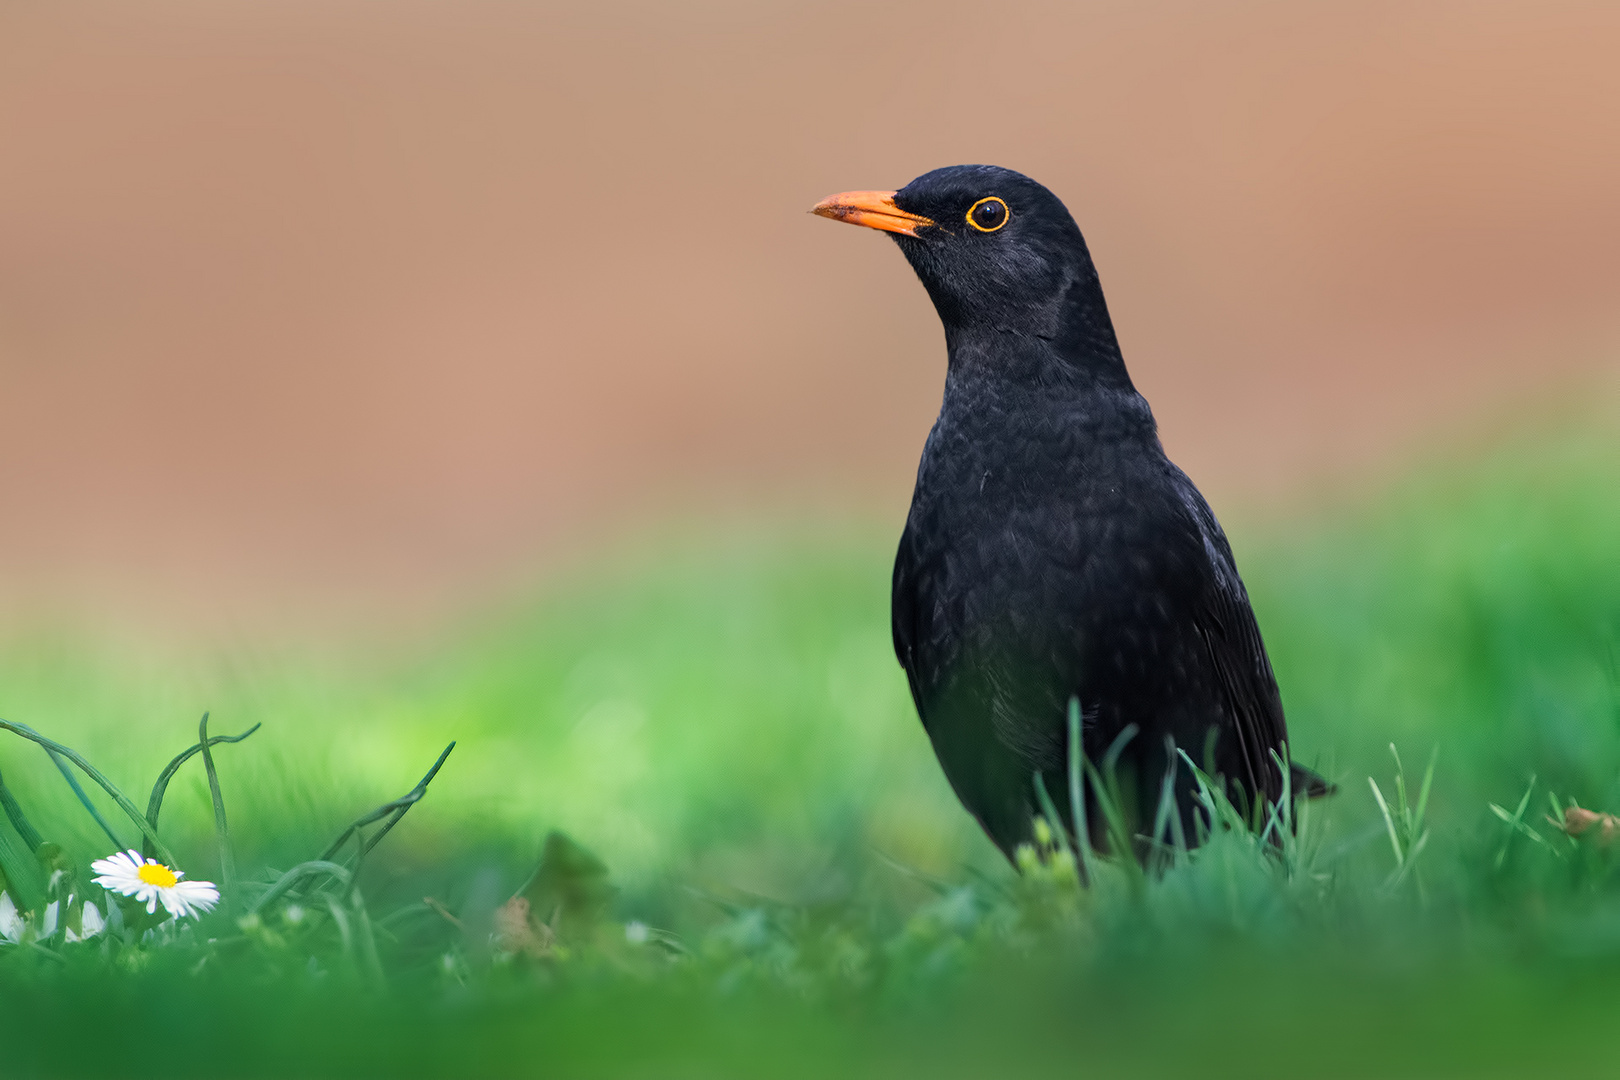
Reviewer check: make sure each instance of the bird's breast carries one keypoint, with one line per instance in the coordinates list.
(1039, 530)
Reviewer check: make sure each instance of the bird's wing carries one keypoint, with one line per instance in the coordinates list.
(903, 615)
(1231, 635)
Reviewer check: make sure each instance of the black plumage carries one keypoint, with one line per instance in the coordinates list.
(1052, 550)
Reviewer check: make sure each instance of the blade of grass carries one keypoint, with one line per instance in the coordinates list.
(1178, 835)
(1402, 810)
(1203, 823)
(1165, 812)
(41, 950)
(1049, 811)
(396, 808)
(107, 785)
(937, 884)
(368, 942)
(1077, 792)
(84, 797)
(1219, 811)
(407, 802)
(155, 803)
(1516, 824)
(341, 918)
(19, 820)
(1389, 823)
(1279, 814)
(292, 877)
(227, 859)
(20, 872)
(1105, 784)
(1423, 793)
(1411, 861)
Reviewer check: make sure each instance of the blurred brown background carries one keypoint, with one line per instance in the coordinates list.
(319, 310)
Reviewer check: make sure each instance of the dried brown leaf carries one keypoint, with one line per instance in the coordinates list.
(1578, 822)
(519, 933)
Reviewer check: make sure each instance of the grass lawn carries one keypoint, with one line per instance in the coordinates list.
(767, 875)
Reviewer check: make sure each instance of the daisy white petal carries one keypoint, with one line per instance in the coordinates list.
(48, 920)
(91, 924)
(190, 898)
(11, 924)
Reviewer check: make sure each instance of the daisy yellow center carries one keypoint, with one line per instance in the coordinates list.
(157, 874)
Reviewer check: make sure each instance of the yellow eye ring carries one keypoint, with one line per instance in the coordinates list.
(1005, 215)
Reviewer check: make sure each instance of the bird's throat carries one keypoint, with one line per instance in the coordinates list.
(1078, 357)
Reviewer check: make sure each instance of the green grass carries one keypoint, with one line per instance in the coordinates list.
(722, 724)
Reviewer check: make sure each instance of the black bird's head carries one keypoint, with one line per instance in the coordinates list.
(996, 252)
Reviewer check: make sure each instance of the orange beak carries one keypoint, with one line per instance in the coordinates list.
(874, 209)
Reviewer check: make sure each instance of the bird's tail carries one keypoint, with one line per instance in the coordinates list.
(1310, 784)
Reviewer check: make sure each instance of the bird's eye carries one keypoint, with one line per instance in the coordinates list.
(988, 215)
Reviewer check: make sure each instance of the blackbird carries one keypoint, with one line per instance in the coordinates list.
(1052, 551)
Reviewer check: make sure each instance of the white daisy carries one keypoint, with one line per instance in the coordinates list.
(151, 883)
